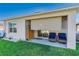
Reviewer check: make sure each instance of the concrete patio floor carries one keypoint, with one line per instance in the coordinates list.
(46, 42)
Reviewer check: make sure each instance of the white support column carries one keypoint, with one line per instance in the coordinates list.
(71, 34)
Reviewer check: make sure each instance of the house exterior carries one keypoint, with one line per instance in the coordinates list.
(28, 27)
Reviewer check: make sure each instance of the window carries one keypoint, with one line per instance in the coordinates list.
(43, 33)
(39, 33)
(12, 27)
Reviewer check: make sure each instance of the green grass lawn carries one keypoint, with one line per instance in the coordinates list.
(21, 48)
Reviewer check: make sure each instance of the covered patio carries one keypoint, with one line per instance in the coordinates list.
(59, 21)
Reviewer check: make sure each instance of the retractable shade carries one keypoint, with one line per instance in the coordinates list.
(47, 24)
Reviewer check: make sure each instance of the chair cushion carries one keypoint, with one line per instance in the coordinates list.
(62, 36)
(52, 35)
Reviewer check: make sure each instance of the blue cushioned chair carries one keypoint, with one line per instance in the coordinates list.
(52, 36)
(62, 37)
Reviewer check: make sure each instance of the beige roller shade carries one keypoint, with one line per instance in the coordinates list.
(46, 24)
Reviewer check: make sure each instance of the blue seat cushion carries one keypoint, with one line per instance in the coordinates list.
(62, 36)
(52, 35)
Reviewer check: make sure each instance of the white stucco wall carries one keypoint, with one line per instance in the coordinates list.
(71, 31)
(20, 24)
(21, 29)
